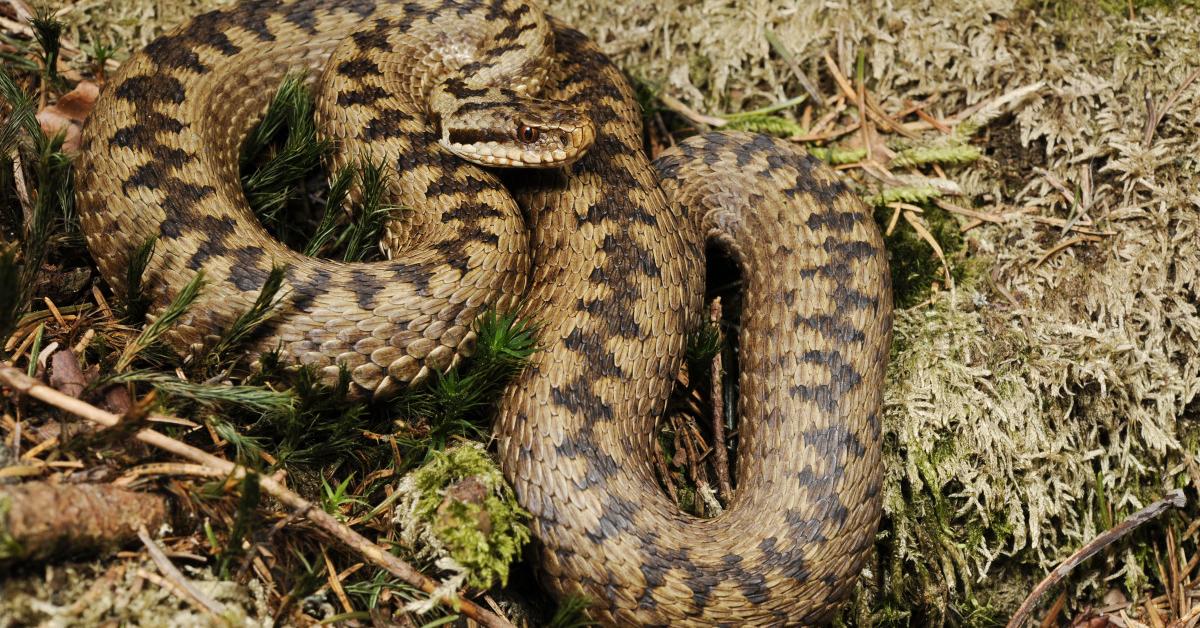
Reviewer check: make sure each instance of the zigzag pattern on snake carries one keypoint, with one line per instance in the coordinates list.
(603, 247)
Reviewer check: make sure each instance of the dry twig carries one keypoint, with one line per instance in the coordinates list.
(1174, 499)
(721, 461)
(171, 573)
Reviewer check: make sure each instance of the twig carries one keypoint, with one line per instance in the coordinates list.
(697, 118)
(172, 573)
(721, 460)
(1174, 499)
(1062, 246)
(663, 471)
(1051, 618)
(778, 46)
(349, 538)
(22, 192)
(47, 520)
(1155, 117)
(915, 223)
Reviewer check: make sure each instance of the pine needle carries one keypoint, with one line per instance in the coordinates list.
(136, 303)
(361, 239)
(289, 118)
(47, 31)
(254, 398)
(152, 332)
(339, 191)
(259, 313)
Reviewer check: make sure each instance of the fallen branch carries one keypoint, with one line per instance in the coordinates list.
(39, 520)
(1174, 499)
(349, 538)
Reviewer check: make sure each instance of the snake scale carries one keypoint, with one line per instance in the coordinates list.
(603, 247)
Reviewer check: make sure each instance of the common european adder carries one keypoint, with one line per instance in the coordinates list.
(601, 246)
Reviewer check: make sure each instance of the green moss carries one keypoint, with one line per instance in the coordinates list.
(9, 547)
(914, 265)
(1076, 9)
(461, 498)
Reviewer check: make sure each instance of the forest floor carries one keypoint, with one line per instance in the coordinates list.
(1034, 165)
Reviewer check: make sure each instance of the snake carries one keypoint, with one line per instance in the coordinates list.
(524, 185)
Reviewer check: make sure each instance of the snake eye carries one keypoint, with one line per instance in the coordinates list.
(528, 134)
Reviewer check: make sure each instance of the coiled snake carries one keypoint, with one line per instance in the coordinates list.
(603, 247)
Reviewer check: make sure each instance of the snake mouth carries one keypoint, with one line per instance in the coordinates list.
(559, 147)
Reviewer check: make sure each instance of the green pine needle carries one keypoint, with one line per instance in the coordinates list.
(572, 612)
(23, 114)
(705, 343)
(771, 125)
(247, 449)
(916, 195)
(289, 119)
(263, 309)
(838, 156)
(339, 192)
(944, 155)
(505, 344)
(136, 302)
(361, 238)
(152, 332)
(258, 399)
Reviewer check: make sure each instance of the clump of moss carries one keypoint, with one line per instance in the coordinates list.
(915, 267)
(458, 506)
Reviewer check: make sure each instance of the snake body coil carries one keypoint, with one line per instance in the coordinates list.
(607, 252)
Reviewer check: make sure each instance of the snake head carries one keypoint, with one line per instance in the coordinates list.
(516, 132)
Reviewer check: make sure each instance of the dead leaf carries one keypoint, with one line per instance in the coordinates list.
(66, 375)
(69, 113)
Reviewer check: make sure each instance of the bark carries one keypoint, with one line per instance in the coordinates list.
(39, 520)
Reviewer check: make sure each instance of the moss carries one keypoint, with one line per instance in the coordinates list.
(914, 265)
(460, 498)
(9, 547)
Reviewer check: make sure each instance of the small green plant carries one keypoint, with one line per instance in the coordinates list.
(281, 153)
(838, 156)
(260, 312)
(51, 209)
(136, 302)
(253, 398)
(453, 404)
(47, 32)
(334, 498)
(572, 612)
(243, 524)
(323, 424)
(154, 331)
(360, 240)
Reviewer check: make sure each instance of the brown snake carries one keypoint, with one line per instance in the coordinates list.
(601, 246)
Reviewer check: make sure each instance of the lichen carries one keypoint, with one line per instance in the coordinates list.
(458, 505)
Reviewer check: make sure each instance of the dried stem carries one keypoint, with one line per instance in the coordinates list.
(172, 574)
(1174, 499)
(349, 538)
(721, 461)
